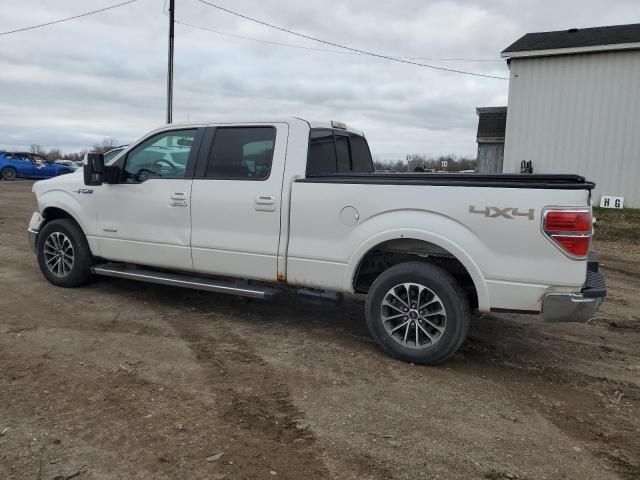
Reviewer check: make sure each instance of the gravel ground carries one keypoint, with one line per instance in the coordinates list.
(127, 380)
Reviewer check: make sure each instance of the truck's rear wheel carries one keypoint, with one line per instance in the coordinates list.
(64, 256)
(418, 313)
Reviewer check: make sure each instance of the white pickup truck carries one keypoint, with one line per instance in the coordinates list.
(249, 208)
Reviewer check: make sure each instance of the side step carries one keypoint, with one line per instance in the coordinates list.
(242, 288)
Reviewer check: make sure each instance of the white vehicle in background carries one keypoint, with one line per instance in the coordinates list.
(251, 208)
(113, 153)
(69, 163)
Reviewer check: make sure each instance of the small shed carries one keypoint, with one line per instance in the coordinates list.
(492, 122)
(574, 107)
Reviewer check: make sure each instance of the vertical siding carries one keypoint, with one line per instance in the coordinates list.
(578, 114)
(490, 158)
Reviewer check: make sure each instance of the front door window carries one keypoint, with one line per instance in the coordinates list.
(162, 156)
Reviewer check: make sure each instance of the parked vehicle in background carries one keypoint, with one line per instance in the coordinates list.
(250, 208)
(29, 165)
(69, 163)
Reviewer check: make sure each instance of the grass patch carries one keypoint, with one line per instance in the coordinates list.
(617, 225)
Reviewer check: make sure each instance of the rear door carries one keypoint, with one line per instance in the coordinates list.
(236, 200)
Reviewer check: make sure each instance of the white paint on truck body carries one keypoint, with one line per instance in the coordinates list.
(302, 238)
(511, 263)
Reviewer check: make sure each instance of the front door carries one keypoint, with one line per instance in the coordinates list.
(145, 219)
(236, 201)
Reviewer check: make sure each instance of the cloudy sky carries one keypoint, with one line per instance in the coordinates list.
(72, 84)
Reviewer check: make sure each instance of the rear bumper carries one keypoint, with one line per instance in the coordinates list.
(577, 307)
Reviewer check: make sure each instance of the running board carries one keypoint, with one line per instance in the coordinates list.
(241, 288)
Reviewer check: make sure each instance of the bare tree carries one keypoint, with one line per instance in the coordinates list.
(418, 162)
(108, 143)
(54, 154)
(35, 148)
(392, 165)
(75, 156)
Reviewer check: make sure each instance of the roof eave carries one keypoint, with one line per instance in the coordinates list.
(570, 51)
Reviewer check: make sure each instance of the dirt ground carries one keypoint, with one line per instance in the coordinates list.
(124, 380)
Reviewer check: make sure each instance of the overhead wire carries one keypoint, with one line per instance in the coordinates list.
(23, 29)
(346, 47)
(302, 47)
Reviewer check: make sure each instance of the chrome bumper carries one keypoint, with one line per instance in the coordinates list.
(34, 227)
(33, 238)
(569, 307)
(577, 307)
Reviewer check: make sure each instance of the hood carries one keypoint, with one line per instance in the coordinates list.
(67, 182)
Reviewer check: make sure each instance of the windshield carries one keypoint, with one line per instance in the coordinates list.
(111, 154)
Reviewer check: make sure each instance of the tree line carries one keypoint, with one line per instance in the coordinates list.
(107, 144)
(422, 163)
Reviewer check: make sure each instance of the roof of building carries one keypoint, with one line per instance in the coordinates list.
(492, 123)
(576, 40)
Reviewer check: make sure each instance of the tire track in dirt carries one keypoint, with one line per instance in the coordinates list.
(114, 420)
(587, 408)
(262, 422)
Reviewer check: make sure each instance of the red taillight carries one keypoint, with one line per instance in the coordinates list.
(576, 246)
(570, 230)
(568, 221)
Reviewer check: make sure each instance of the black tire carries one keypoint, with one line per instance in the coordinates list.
(450, 298)
(80, 269)
(9, 173)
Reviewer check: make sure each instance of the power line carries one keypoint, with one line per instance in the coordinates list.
(363, 52)
(280, 44)
(302, 47)
(68, 18)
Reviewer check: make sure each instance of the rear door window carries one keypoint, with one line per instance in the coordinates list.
(241, 153)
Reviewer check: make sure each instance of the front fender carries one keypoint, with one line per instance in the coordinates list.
(68, 203)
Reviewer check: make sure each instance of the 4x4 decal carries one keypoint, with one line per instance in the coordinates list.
(508, 212)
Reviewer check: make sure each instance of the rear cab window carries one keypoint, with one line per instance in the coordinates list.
(335, 152)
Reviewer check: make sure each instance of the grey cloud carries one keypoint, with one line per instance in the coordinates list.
(71, 84)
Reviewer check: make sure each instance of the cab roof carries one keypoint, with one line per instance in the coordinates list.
(258, 120)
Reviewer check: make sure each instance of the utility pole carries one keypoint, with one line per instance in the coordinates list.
(172, 9)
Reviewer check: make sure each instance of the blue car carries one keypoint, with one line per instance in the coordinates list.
(29, 165)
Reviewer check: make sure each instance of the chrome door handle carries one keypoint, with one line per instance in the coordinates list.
(265, 203)
(178, 199)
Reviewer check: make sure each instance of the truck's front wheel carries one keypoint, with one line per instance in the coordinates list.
(418, 313)
(64, 256)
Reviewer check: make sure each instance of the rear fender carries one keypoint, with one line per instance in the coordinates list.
(418, 234)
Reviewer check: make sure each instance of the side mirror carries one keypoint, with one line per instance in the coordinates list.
(93, 170)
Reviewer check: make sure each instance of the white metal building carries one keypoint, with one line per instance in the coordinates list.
(574, 107)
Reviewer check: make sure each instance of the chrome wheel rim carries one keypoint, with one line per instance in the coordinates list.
(58, 254)
(10, 174)
(413, 316)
